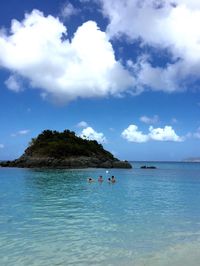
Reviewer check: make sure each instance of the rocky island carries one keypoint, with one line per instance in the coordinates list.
(147, 167)
(53, 149)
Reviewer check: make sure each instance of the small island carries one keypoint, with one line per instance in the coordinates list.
(53, 149)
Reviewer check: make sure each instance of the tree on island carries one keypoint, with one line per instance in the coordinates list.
(64, 144)
(53, 149)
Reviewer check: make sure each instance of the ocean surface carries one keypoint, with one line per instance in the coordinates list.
(55, 217)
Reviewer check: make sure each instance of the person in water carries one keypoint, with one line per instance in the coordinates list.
(90, 180)
(109, 180)
(100, 179)
(113, 180)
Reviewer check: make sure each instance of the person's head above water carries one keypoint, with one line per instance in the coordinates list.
(100, 178)
(113, 180)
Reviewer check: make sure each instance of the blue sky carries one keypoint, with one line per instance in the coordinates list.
(123, 72)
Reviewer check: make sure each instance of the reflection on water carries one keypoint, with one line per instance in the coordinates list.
(54, 217)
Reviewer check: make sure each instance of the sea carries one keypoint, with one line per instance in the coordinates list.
(149, 217)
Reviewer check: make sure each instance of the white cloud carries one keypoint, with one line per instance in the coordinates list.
(149, 120)
(23, 132)
(133, 135)
(91, 134)
(38, 50)
(164, 134)
(69, 10)
(160, 79)
(13, 84)
(2, 146)
(82, 124)
(168, 26)
(20, 132)
(162, 24)
(167, 133)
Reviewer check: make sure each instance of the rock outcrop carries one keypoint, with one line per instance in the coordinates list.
(71, 162)
(147, 167)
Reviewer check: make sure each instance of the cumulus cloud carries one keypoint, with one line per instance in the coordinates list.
(156, 22)
(149, 120)
(169, 79)
(2, 146)
(132, 134)
(91, 134)
(69, 10)
(167, 133)
(38, 49)
(162, 24)
(82, 124)
(164, 134)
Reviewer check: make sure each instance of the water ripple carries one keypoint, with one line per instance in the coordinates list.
(55, 217)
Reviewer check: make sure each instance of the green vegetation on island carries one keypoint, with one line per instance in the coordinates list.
(65, 150)
(64, 144)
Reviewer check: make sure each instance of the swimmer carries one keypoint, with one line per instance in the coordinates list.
(109, 180)
(100, 179)
(113, 180)
(90, 180)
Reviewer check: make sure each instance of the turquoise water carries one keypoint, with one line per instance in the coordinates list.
(54, 217)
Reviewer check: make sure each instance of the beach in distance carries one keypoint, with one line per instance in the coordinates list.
(55, 217)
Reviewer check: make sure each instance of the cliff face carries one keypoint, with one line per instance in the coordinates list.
(52, 149)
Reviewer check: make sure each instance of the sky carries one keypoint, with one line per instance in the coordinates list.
(123, 72)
